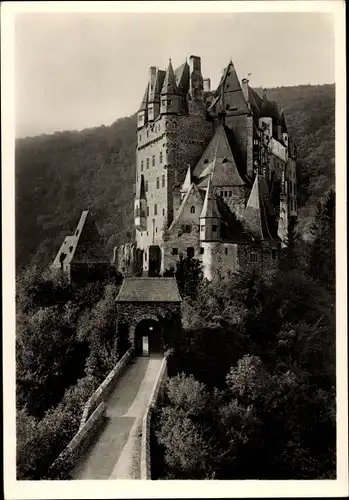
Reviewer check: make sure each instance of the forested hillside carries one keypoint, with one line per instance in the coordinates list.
(59, 175)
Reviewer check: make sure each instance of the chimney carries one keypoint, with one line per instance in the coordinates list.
(207, 84)
(244, 87)
(195, 64)
(152, 78)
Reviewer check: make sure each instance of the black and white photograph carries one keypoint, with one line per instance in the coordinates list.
(177, 206)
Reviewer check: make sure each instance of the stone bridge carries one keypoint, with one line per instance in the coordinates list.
(115, 452)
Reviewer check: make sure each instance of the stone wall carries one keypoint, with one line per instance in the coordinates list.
(146, 423)
(66, 460)
(131, 314)
(106, 386)
(263, 256)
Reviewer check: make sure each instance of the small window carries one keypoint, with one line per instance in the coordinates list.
(163, 180)
(190, 252)
(147, 212)
(70, 249)
(147, 163)
(145, 255)
(230, 193)
(147, 133)
(253, 257)
(228, 105)
(226, 250)
(156, 229)
(273, 253)
(156, 209)
(163, 211)
(160, 156)
(147, 233)
(140, 137)
(192, 210)
(214, 228)
(187, 228)
(146, 185)
(77, 232)
(202, 250)
(169, 102)
(202, 228)
(157, 183)
(174, 251)
(142, 165)
(225, 160)
(221, 194)
(205, 160)
(153, 161)
(225, 194)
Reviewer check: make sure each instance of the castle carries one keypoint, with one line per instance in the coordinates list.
(215, 173)
(215, 177)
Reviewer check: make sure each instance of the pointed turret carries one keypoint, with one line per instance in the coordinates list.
(143, 110)
(209, 217)
(187, 181)
(258, 209)
(155, 87)
(170, 98)
(140, 206)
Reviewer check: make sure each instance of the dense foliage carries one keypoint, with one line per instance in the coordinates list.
(66, 344)
(59, 175)
(252, 387)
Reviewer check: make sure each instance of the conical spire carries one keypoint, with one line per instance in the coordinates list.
(140, 189)
(169, 87)
(257, 208)
(187, 180)
(144, 102)
(209, 209)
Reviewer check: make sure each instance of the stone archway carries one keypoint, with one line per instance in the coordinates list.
(148, 338)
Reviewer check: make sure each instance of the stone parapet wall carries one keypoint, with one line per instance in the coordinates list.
(66, 460)
(106, 386)
(146, 423)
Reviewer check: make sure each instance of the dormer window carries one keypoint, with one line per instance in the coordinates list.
(205, 160)
(225, 160)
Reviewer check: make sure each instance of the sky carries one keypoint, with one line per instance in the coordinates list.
(74, 71)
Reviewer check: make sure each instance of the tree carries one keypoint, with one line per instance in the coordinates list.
(322, 263)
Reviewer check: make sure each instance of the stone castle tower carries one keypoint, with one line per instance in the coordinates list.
(215, 173)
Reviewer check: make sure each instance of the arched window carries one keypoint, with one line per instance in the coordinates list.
(192, 210)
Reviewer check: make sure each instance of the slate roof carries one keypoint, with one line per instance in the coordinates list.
(144, 102)
(258, 211)
(209, 209)
(149, 290)
(218, 160)
(169, 86)
(83, 246)
(182, 78)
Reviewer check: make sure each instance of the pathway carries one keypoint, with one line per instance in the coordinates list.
(115, 452)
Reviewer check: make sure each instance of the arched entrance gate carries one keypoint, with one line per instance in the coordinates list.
(142, 305)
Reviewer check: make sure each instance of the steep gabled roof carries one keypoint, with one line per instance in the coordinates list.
(219, 162)
(258, 210)
(169, 86)
(154, 95)
(182, 78)
(144, 102)
(187, 181)
(210, 209)
(192, 191)
(149, 290)
(84, 245)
